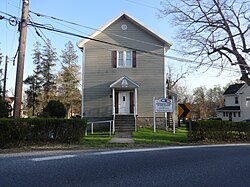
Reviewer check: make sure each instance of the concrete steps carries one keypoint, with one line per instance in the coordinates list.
(124, 123)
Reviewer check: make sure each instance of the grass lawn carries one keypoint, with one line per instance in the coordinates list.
(144, 137)
(160, 137)
(98, 139)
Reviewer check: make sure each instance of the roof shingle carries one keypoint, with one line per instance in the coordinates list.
(233, 89)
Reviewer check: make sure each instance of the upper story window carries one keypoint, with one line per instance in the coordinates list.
(124, 59)
(236, 99)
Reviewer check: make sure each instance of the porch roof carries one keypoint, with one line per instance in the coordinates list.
(229, 108)
(124, 82)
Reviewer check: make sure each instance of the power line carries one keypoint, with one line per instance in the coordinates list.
(42, 37)
(51, 28)
(76, 24)
(94, 29)
(131, 48)
(142, 4)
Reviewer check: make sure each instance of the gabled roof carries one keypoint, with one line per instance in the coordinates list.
(233, 89)
(124, 82)
(166, 43)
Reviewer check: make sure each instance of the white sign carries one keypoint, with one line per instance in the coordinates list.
(164, 105)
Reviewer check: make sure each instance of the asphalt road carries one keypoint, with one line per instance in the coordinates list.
(175, 166)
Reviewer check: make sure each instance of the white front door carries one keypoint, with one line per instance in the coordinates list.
(124, 102)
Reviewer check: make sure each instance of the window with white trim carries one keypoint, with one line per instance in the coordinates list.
(124, 59)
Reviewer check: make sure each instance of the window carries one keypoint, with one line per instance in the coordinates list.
(124, 59)
(239, 114)
(236, 100)
(234, 114)
(224, 114)
(247, 98)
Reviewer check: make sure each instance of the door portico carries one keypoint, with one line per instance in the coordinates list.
(124, 94)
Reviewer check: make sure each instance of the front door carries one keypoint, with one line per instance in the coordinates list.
(124, 102)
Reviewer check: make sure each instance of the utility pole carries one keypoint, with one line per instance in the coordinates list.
(21, 57)
(5, 77)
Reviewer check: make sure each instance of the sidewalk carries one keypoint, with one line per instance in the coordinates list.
(122, 137)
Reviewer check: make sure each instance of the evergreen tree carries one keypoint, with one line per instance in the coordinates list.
(68, 80)
(32, 93)
(47, 65)
(37, 61)
(36, 79)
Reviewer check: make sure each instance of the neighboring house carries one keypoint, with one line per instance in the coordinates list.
(123, 69)
(237, 103)
(10, 101)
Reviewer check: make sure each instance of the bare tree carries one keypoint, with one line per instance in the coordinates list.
(215, 31)
(174, 76)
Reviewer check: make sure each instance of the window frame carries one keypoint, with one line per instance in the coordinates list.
(124, 59)
(115, 59)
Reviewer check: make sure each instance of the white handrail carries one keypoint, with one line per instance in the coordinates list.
(97, 122)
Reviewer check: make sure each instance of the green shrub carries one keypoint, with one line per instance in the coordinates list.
(220, 131)
(4, 112)
(54, 109)
(15, 132)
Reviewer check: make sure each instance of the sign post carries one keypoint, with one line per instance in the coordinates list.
(173, 121)
(161, 105)
(154, 114)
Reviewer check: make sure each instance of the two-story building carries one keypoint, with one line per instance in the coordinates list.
(123, 68)
(237, 103)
